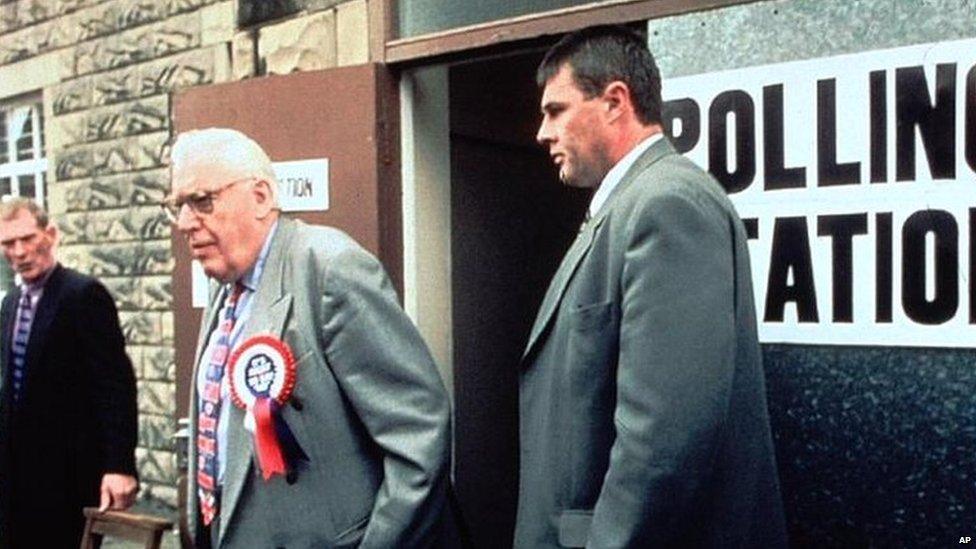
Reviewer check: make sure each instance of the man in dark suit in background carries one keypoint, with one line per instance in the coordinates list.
(68, 398)
(643, 410)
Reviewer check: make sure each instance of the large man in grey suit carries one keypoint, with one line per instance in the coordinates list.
(643, 413)
(362, 441)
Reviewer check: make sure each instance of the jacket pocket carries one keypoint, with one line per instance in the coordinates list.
(586, 317)
(574, 528)
(590, 368)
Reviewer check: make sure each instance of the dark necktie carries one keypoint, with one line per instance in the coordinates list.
(207, 458)
(18, 350)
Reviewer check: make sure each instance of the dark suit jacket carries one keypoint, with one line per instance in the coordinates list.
(643, 409)
(76, 419)
(373, 418)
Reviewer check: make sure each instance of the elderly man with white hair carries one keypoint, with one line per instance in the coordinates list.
(318, 416)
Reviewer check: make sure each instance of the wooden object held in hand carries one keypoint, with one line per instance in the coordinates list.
(122, 525)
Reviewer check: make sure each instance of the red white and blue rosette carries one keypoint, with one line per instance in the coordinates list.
(262, 378)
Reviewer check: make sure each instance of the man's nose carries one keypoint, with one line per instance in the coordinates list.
(186, 219)
(544, 135)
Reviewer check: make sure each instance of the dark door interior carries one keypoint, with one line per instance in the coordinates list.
(512, 220)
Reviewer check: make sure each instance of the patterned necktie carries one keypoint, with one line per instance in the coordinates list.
(207, 459)
(18, 350)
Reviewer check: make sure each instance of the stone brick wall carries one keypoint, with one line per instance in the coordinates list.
(106, 70)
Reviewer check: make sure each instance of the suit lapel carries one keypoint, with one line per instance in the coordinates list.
(40, 327)
(580, 247)
(6, 339)
(7, 329)
(561, 280)
(270, 310)
(208, 320)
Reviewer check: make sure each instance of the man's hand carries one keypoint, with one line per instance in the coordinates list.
(118, 492)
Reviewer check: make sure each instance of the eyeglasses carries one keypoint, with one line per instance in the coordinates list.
(200, 202)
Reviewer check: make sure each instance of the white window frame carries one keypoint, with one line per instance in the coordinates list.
(35, 166)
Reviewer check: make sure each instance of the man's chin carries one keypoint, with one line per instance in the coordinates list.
(220, 276)
(212, 271)
(580, 179)
(29, 275)
(573, 182)
(566, 178)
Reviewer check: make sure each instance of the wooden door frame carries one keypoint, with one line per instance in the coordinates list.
(387, 47)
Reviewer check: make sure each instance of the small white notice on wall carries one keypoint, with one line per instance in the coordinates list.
(303, 185)
(200, 284)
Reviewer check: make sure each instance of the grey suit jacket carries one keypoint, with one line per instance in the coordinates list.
(372, 413)
(643, 419)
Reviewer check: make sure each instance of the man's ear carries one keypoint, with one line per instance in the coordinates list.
(52, 232)
(263, 198)
(52, 235)
(616, 98)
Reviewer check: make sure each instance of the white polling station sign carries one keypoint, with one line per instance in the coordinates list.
(856, 178)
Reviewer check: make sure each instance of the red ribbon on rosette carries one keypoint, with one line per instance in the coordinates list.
(262, 378)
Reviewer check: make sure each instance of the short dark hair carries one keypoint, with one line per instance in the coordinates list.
(602, 54)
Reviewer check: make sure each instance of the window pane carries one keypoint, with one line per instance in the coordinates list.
(4, 156)
(41, 190)
(21, 139)
(40, 126)
(25, 141)
(26, 186)
(417, 17)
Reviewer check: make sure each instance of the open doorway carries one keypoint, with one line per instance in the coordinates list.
(511, 223)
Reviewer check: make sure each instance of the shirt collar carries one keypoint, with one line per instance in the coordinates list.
(253, 275)
(616, 174)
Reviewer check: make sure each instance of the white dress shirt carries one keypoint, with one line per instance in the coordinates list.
(617, 172)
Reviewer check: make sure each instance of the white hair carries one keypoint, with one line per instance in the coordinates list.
(227, 148)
